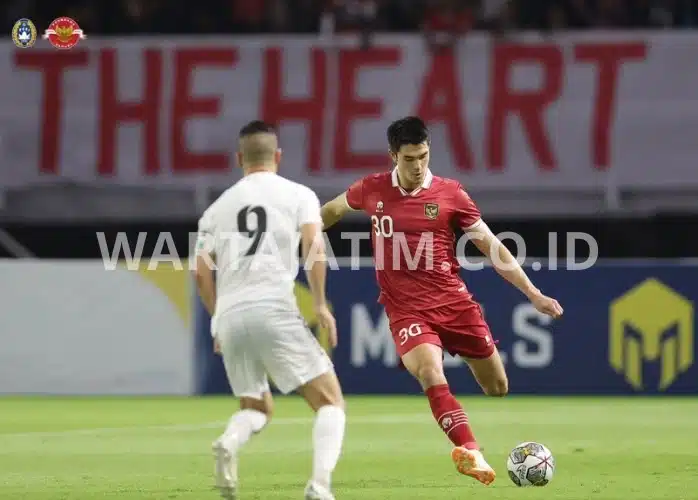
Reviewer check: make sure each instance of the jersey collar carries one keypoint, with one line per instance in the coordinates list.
(425, 184)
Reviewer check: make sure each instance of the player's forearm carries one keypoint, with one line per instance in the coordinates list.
(208, 298)
(508, 268)
(316, 272)
(313, 251)
(207, 290)
(317, 275)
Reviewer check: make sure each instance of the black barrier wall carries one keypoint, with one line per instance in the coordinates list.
(659, 236)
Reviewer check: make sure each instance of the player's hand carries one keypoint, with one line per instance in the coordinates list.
(326, 320)
(547, 305)
(216, 346)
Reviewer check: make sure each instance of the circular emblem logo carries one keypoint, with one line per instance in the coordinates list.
(24, 33)
(64, 33)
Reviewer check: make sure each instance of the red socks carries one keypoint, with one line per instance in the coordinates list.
(450, 417)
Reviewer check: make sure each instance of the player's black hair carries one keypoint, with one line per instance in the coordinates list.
(408, 130)
(257, 127)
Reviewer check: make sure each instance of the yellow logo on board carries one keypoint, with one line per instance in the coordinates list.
(651, 322)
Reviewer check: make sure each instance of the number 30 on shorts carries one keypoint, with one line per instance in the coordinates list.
(414, 330)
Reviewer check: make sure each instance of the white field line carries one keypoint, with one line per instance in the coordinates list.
(96, 431)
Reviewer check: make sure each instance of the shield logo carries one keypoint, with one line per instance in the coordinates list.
(431, 210)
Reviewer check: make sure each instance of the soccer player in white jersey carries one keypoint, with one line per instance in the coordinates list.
(249, 237)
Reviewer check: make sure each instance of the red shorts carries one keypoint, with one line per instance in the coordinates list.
(460, 329)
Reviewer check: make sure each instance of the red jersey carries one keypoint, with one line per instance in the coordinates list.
(413, 237)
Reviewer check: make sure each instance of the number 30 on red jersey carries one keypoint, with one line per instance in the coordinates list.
(383, 225)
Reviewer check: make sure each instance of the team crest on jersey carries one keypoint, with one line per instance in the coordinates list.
(379, 206)
(431, 210)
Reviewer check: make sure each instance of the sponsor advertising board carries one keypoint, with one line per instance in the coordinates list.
(627, 329)
(73, 328)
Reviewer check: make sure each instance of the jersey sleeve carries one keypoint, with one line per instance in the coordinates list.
(206, 235)
(309, 210)
(355, 195)
(467, 216)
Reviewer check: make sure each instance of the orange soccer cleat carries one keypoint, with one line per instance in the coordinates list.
(472, 463)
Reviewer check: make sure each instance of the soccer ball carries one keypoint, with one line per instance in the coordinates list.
(530, 464)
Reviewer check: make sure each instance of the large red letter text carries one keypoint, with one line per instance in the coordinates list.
(608, 58)
(113, 112)
(278, 109)
(52, 64)
(349, 107)
(185, 107)
(441, 101)
(530, 106)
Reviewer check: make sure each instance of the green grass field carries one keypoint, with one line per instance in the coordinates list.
(74, 449)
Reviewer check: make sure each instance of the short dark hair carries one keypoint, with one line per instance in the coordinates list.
(257, 127)
(408, 130)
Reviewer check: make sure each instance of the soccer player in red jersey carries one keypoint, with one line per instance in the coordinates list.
(429, 308)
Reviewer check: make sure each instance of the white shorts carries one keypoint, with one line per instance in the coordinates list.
(260, 341)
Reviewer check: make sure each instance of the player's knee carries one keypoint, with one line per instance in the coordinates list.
(331, 399)
(498, 388)
(430, 375)
(336, 397)
(323, 391)
(326, 395)
(264, 405)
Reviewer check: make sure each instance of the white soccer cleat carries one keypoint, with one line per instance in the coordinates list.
(226, 471)
(472, 463)
(315, 491)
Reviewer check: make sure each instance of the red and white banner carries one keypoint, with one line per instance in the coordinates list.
(568, 111)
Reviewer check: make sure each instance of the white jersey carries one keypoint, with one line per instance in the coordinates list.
(254, 230)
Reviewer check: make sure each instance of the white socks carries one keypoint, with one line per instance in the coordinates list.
(328, 434)
(240, 428)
